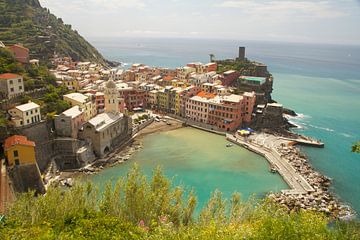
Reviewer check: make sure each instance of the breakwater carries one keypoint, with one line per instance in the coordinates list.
(309, 189)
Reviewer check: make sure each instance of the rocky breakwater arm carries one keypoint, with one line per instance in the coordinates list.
(321, 199)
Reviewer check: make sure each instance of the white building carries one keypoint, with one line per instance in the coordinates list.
(25, 114)
(11, 85)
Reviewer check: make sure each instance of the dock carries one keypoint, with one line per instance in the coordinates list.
(306, 142)
(296, 182)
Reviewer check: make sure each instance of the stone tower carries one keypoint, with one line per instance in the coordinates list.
(111, 97)
(241, 54)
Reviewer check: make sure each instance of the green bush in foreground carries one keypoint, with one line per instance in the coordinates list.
(135, 208)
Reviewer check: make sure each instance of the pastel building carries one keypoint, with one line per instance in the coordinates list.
(25, 114)
(68, 123)
(229, 77)
(86, 103)
(197, 107)
(100, 102)
(19, 151)
(227, 112)
(20, 158)
(11, 85)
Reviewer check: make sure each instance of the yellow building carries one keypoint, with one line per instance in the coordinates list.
(86, 103)
(178, 100)
(19, 151)
(71, 83)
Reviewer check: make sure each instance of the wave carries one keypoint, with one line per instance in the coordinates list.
(346, 135)
(321, 128)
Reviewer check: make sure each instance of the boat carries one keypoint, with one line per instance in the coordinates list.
(273, 169)
(229, 145)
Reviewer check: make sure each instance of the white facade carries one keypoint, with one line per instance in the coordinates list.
(25, 114)
(11, 85)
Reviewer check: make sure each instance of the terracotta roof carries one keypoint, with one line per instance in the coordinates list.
(17, 140)
(206, 95)
(18, 46)
(8, 76)
(168, 78)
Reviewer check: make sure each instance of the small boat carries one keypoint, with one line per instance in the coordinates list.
(229, 145)
(273, 169)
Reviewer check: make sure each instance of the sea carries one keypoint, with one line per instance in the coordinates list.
(321, 82)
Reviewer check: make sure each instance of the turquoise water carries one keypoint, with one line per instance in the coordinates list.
(322, 82)
(201, 160)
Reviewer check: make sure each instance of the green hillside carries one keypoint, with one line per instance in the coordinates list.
(140, 208)
(26, 22)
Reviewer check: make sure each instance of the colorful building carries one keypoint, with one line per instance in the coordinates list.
(19, 150)
(229, 77)
(86, 103)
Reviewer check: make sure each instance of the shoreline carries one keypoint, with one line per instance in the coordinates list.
(315, 197)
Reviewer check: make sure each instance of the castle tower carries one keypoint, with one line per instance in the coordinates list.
(241, 54)
(111, 97)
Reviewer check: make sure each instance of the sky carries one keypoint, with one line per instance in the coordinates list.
(331, 21)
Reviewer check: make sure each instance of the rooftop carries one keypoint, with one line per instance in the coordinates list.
(17, 140)
(103, 120)
(73, 112)
(27, 106)
(77, 97)
(9, 76)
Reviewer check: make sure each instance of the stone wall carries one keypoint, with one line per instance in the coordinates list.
(72, 153)
(26, 178)
(42, 134)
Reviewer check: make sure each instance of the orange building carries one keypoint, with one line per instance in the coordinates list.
(19, 151)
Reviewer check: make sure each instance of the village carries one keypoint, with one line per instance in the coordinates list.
(108, 107)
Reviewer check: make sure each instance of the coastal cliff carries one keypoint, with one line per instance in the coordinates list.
(26, 22)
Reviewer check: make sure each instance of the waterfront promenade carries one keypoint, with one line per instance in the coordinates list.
(296, 182)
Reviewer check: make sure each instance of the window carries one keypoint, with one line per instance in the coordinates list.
(27, 113)
(11, 82)
(11, 89)
(16, 153)
(19, 80)
(17, 162)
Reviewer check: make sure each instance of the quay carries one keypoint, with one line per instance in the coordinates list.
(296, 182)
(305, 141)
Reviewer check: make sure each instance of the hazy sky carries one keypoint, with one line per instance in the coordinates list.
(332, 21)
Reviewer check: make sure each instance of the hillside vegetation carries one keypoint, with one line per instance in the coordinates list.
(137, 208)
(26, 22)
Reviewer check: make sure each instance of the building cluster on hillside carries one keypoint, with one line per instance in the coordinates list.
(195, 92)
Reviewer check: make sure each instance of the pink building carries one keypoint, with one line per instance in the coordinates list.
(226, 113)
(100, 102)
(229, 77)
(185, 95)
(210, 67)
(249, 103)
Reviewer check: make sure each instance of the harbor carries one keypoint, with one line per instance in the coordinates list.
(308, 189)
